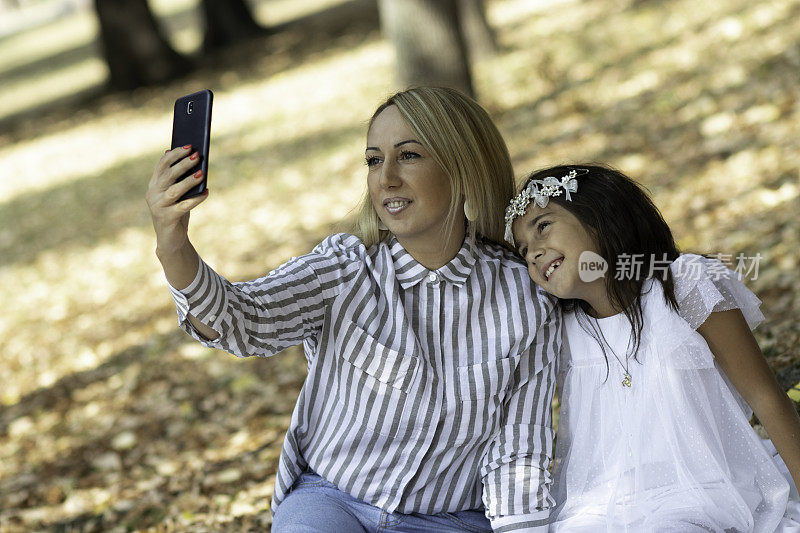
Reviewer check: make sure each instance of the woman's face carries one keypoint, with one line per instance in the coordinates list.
(551, 240)
(409, 190)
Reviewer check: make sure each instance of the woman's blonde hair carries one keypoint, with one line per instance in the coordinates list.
(464, 141)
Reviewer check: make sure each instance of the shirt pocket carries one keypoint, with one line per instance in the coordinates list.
(480, 392)
(374, 382)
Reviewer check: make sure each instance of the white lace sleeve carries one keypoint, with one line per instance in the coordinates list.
(704, 286)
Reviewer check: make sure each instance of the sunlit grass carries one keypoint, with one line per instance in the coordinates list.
(60, 35)
(698, 100)
(282, 191)
(57, 81)
(267, 162)
(185, 32)
(276, 12)
(250, 117)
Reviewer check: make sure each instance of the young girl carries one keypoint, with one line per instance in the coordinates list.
(422, 368)
(658, 371)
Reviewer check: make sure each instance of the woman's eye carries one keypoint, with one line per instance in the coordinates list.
(408, 155)
(372, 161)
(541, 226)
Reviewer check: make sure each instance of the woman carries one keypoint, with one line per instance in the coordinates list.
(423, 363)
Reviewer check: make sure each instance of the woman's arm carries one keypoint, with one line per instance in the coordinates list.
(737, 352)
(171, 222)
(180, 269)
(519, 457)
(258, 317)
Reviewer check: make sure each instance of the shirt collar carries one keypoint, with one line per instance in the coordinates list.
(409, 272)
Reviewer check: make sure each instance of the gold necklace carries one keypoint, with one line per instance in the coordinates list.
(626, 376)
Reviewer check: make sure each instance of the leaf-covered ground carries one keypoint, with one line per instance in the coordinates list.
(111, 419)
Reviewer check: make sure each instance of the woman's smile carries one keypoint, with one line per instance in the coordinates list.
(396, 205)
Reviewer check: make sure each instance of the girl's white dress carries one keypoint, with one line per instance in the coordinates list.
(675, 450)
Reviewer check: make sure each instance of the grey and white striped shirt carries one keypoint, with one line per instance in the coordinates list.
(427, 391)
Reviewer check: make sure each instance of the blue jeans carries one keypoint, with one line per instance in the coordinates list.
(316, 505)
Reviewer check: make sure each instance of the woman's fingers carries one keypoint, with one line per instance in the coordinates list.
(183, 207)
(164, 191)
(170, 214)
(171, 221)
(170, 156)
(178, 189)
(172, 165)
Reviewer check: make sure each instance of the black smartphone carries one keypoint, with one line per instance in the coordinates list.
(191, 124)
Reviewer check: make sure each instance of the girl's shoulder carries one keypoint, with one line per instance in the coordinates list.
(690, 269)
(704, 285)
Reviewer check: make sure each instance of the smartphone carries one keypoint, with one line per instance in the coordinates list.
(191, 124)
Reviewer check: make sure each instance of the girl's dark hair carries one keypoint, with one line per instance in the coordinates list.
(629, 230)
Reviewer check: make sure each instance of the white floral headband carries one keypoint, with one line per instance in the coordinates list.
(550, 186)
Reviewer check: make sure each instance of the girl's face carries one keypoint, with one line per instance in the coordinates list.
(551, 240)
(409, 190)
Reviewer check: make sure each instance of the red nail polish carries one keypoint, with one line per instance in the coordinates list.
(194, 156)
(187, 146)
(198, 174)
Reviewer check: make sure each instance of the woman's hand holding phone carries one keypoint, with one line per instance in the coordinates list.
(174, 190)
(179, 180)
(170, 214)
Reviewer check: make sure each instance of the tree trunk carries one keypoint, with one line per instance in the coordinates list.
(134, 47)
(480, 37)
(428, 41)
(228, 22)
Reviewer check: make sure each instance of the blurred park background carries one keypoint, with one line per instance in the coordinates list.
(111, 419)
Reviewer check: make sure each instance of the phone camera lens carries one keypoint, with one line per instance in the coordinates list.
(190, 107)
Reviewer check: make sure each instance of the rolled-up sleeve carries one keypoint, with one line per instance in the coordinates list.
(259, 317)
(516, 475)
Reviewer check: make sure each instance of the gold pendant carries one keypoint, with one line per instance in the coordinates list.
(626, 382)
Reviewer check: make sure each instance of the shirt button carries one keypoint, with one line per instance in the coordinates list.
(432, 277)
(212, 318)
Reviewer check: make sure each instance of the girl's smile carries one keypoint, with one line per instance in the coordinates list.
(551, 268)
(551, 240)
